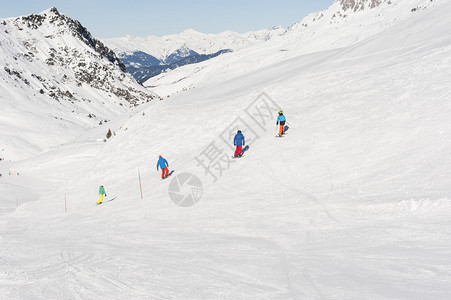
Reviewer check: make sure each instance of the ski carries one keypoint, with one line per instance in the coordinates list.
(170, 173)
(109, 200)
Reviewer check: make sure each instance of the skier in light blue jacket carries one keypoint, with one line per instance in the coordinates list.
(281, 120)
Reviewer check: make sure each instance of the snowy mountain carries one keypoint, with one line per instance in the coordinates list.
(138, 59)
(179, 54)
(55, 73)
(343, 24)
(142, 66)
(353, 203)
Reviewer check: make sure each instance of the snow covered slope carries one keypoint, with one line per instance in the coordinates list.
(354, 203)
(56, 80)
(162, 47)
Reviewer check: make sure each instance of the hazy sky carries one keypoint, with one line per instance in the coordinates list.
(116, 18)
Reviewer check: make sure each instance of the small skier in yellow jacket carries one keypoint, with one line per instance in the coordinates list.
(101, 193)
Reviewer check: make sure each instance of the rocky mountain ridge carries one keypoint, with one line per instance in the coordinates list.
(51, 38)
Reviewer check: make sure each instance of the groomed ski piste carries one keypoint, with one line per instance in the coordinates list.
(354, 203)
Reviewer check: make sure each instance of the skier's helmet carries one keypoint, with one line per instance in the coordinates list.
(280, 112)
(239, 131)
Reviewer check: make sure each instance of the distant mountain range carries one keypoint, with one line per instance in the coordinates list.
(143, 66)
(148, 57)
(164, 46)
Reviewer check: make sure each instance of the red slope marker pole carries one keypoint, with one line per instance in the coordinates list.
(140, 187)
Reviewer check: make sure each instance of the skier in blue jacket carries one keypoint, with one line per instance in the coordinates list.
(239, 142)
(281, 120)
(163, 165)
